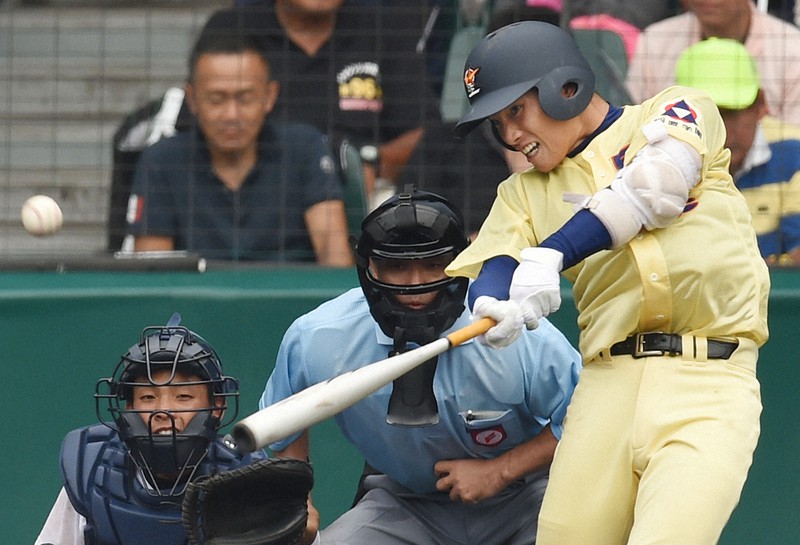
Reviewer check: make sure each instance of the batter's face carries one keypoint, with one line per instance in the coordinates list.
(412, 272)
(182, 401)
(231, 96)
(544, 141)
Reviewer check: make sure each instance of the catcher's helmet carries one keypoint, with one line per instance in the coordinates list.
(521, 56)
(412, 225)
(167, 460)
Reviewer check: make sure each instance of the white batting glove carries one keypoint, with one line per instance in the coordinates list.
(508, 316)
(536, 286)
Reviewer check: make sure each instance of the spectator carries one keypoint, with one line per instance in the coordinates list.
(239, 187)
(124, 478)
(461, 455)
(348, 68)
(773, 43)
(638, 13)
(765, 153)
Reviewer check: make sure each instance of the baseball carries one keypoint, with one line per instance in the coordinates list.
(41, 216)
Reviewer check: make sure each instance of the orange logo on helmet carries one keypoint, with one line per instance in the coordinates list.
(469, 81)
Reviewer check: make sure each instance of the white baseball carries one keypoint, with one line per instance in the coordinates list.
(41, 216)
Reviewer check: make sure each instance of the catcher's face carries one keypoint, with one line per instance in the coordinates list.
(168, 409)
(412, 272)
(231, 95)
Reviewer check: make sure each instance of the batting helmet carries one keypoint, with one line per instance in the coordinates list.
(412, 225)
(521, 56)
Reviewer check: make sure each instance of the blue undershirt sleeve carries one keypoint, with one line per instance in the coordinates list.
(583, 235)
(493, 280)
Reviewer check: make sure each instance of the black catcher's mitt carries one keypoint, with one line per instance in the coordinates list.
(263, 503)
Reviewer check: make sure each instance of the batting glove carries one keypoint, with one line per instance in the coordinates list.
(536, 286)
(508, 316)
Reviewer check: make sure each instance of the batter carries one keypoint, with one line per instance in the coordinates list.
(637, 209)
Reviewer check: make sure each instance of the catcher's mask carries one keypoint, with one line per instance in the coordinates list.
(519, 57)
(179, 357)
(412, 225)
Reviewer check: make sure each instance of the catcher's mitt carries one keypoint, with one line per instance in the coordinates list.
(263, 503)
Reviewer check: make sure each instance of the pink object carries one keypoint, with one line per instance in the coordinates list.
(628, 32)
(555, 5)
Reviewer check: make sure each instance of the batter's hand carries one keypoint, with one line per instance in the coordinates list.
(469, 480)
(508, 316)
(536, 286)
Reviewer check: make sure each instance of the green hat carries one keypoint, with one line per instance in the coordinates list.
(722, 68)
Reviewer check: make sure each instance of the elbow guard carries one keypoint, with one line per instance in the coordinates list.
(657, 182)
(614, 211)
(650, 192)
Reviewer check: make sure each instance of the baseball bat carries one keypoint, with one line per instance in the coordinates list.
(325, 399)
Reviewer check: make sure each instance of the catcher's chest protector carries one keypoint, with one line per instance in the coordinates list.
(117, 509)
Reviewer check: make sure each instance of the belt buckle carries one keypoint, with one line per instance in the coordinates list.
(638, 348)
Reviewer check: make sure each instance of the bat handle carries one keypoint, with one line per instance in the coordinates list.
(471, 331)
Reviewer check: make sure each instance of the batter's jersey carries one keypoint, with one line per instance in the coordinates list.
(489, 401)
(702, 275)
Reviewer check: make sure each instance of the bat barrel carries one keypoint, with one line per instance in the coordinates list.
(325, 399)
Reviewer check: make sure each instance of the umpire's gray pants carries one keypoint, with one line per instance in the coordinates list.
(389, 514)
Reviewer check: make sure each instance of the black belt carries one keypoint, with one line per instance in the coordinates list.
(643, 345)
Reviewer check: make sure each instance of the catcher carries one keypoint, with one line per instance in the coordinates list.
(125, 478)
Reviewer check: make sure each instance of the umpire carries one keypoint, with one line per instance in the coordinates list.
(459, 448)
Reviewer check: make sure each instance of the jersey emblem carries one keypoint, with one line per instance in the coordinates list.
(619, 158)
(682, 111)
(691, 204)
(360, 88)
(469, 82)
(489, 437)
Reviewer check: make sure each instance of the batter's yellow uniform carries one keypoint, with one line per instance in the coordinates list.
(649, 436)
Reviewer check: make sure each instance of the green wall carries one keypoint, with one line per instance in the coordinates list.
(60, 332)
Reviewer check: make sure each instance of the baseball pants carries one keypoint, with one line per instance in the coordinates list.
(655, 451)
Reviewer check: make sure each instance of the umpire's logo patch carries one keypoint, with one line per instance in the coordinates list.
(489, 437)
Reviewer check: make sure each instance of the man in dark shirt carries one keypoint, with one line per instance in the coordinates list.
(350, 69)
(235, 187)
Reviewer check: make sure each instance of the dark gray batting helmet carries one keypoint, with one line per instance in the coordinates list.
(514, 59)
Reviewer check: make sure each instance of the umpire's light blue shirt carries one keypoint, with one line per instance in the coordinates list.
(513, 393)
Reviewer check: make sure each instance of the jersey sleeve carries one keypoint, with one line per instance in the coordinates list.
(320, 179)
(690, 116)
(64, 525)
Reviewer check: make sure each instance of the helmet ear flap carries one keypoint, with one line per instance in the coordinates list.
(553, 99)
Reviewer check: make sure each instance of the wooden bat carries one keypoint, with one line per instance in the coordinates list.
(320, 401)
